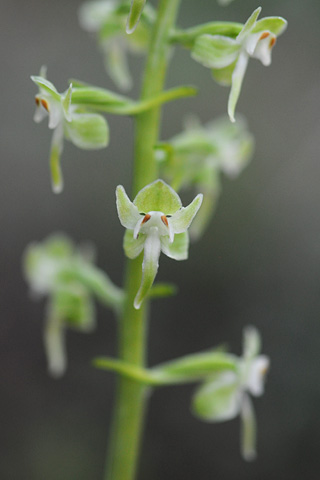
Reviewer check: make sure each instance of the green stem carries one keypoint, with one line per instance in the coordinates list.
(130, 404)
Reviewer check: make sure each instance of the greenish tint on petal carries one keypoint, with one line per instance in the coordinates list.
(66, 103)
(249, 25)
(187, 37)
(251, 342)
(73, 306)
(215, 51)
(248, 429)
(150, 265)
(224, 75)
(128, 213)
(133, 246)
(237, 79)
(219, 399)
(116, 64)
(178, 249)
(181, 220)
(55, 153)
(54, 343)
(158, 196)
(47, 86)
(88, 131)
(198, 365)
(90, 96)
(162, 290)
(275, 25)
(209, 204)
(134, 15)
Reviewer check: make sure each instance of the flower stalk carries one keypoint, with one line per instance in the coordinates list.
(130, 404)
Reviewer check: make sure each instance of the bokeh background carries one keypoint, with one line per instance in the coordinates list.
(259, 262)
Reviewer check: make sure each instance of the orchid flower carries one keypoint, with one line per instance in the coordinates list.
(196, 157)
(68, 277)
(226, 394)
(85, 130)
(228, 57)
(107, 20)
(155, 222)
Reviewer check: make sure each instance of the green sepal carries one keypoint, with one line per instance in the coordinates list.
(91, 96)
(44, 84)
(72, 305)
(218, 399)
(96, 281)
(106, 101)
(158, 196)
(275, 25)
(133, 246)
(127, 211)
(197, 366)
(249, 25)
(215, 51)
(188, 37)
(163, 290)
(178, 249)
(88, 131)
(134, 15)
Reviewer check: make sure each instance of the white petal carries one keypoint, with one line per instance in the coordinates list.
(54, 340)
(263, 48)
(248, 429)
(55, 113)
(181, 220)
(150, 265)
(127, 211)
(237, 79)
(257, 375)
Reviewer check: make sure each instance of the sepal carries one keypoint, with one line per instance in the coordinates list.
(134, 15)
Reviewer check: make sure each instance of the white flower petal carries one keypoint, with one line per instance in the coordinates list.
(256, 375)
(248, 429)
(150, 265)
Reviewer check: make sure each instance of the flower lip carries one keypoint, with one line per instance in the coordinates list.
(151, 220)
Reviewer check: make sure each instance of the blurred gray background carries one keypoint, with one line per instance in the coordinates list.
(259, 262)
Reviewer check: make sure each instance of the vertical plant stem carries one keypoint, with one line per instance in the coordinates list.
(131, 396)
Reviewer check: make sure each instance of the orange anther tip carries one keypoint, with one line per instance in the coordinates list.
(146, 218)
(45, 104)
(165, 221)
(272, 42)
(264, 35)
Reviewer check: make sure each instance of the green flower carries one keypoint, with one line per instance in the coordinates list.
(228, 57)
(226, 394)
(195, 158)
(67, 276)
(85, 130)
(155, 222)
(107, 19)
